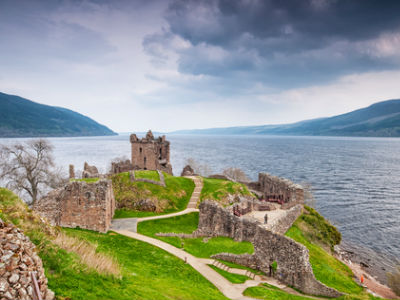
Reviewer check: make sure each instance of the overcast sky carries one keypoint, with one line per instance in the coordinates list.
(169, 64)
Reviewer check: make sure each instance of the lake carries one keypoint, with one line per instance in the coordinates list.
(355, 180)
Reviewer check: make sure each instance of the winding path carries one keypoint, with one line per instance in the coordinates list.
(128, 227)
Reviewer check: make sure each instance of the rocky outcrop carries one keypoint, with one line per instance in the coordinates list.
(18, 264)
(292, 258)
(187, 171)
(79, 204)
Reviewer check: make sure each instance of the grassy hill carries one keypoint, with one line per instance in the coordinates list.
(71, 260)
(20, 117)
(381, 119)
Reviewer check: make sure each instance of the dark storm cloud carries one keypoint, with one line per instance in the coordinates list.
(281, 43)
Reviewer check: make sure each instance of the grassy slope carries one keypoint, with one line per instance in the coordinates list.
(219, 189)
(87, 180)
(196, 246)
(172, 198)
(327, 269)
(152, 175)
(148, 272)
(234, 278)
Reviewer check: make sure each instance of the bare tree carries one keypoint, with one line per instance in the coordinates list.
(29, 168)
(236, 174)
(201, 169)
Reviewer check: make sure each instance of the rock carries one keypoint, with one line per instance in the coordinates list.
(187, 171)
(49, 295)
(13, 278)
(3, 285)
(8, 295)
(22, 294)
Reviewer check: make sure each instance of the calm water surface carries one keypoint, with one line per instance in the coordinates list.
(355, 180)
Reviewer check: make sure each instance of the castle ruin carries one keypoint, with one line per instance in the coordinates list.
(149, 153)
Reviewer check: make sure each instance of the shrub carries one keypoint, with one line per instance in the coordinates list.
(394, 280)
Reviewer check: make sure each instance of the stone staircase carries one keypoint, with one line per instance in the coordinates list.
(195, 198)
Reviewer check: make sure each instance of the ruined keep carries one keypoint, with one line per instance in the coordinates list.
(79, 204)
(276, 189)
(292, 258)
(149, 153)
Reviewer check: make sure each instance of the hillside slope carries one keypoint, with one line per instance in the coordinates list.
(20, 117)
(381, 119)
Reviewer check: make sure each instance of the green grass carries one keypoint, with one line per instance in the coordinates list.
(269, 292)
(147, 271)
(234, 278)
(236, 266)
(326, 268)
(219, 189)
(87, 180)
(172, 198)
(198, 247)
(147, 174)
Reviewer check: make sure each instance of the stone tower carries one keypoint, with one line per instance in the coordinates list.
(149, 153)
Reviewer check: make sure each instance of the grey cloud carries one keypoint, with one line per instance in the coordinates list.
(280, 43)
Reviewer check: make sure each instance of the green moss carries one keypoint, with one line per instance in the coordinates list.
(87, 180)
(326, 268)
(234, 278)
(199, 247)
(172, 198)
(147, 174)
(219, 189)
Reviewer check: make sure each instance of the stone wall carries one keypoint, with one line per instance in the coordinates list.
(149, 153)
(90, 171)
(133, 178)
(121, 166)
(284, 223)
(280, 190)
(79, 204)
(292, 258)
(18, 260)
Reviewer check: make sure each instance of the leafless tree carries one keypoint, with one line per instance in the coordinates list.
(236, 174)
(29, 168)
(201, 169)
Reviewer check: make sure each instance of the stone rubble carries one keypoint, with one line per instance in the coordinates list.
(18, 259)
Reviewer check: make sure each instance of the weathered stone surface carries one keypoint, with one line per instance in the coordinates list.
(71, 172)
(90, 171)
(187, 171)
(16, 281)
(276, 189)
(149, 153)
(292, 258)
(121, 166)
(87, 205)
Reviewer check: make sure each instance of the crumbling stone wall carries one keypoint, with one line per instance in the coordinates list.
(292, 258)
(121, 166)
(149, 153)
(18, 260)
(90, 171)
(87, 205)
(280, 190)
(133, 178)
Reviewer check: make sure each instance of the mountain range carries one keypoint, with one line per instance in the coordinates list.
(21, 117)
(381, 119)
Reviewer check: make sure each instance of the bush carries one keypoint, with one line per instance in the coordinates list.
(394, 280)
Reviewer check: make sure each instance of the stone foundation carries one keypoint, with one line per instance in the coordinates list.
(292, 258)
(18, 261)
(79, 204)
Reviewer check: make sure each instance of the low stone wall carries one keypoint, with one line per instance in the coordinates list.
(79, 204)
(292, 258)
(284, 223)
(18, 259)
(133, 178)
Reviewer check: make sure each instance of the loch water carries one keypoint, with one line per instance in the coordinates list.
(356, 181)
